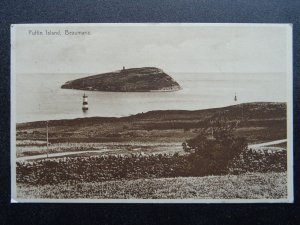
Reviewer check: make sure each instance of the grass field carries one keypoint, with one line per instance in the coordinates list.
(244, 186)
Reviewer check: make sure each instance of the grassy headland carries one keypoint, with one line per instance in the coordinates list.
(258, 122)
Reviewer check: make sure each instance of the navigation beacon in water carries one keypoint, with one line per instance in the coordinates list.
(85, 105)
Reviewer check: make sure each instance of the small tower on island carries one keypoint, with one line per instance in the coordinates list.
(85, 105)
(235, 98)
(123, 68)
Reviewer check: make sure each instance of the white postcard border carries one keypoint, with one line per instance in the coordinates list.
(290, 197)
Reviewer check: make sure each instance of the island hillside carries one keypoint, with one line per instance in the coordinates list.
(126, 80)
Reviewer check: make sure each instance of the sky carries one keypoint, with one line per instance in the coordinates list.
(172, 47)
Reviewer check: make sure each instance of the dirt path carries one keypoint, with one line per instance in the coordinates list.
(267, 143)
(52, 155)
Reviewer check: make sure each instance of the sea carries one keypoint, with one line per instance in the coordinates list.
(40, 97)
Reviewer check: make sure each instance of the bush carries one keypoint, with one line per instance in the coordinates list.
(213, 149)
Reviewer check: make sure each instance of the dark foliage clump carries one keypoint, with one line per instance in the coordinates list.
(101, 168)
(262, 161)
(213, 149)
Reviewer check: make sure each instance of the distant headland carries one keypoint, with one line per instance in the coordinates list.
(126, 80)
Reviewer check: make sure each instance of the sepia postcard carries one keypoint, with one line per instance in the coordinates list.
(155, 113)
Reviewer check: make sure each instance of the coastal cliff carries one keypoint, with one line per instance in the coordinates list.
(126, 80)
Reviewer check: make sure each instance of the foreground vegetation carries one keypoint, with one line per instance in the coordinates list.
(72, 170)
(213, 151)
(245, 186)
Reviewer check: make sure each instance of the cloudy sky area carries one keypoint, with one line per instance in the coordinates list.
(173, 48)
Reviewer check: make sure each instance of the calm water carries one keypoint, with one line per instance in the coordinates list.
(39, 96)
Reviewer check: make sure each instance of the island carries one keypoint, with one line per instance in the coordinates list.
(126, 80)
